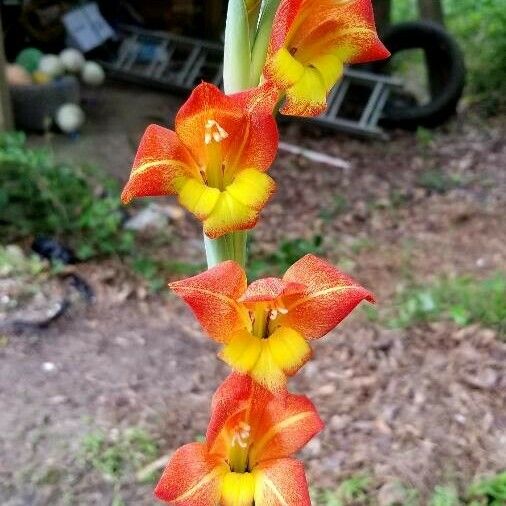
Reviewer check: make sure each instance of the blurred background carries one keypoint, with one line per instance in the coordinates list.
(401, 183)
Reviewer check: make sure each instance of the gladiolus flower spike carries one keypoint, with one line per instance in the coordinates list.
(247, 455)
(216, 159)
(265, 327)
(311, 41)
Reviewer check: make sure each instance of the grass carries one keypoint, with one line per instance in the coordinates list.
(438, 181)
(339, 206)
(286, 255)
(361, 490)
(156, 272)
(115, 456)
(463, 300)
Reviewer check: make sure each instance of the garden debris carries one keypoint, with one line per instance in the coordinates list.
(33, 295)
(154, 216)
(315, 156)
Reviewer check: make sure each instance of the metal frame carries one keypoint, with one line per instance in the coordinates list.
(176, 63)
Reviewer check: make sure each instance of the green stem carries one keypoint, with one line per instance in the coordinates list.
(227, 247)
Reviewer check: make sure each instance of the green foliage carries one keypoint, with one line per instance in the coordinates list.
(115, 457)
(478, 26)
(352, 491)
(463, 300)
(445, 496)
(156, 272)
(339, 206)
(287, 254)
(74, 203)
(488, 491)
(14, 263)
(438, 181)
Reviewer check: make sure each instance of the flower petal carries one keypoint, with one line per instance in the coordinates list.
(206, 103)
(161, 160)
(212, 296)
(283, 427)
(346, 27)
(281, 482)
(268, 290)
(239, 206)
(238, 489)
(286, 15)
(330, 296)
(192, 477)
(308, 96)
(251, 188)
(268, 361)
(197, 197)
(227, 400)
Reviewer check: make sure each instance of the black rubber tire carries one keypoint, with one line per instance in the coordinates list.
(446, 70)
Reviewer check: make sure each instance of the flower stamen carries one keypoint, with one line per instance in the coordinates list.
(214, 132)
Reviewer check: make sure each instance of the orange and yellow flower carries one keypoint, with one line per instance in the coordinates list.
(265, 327)
(246, 458)
(216, 159)
(311, 41)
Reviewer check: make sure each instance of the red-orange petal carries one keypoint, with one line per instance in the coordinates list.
(282, 427)
(227, 400)
(281, 482)
(161, 158)
(269, 289)
(286, 15)
(330, 296)
(192, 477)
(212, 296)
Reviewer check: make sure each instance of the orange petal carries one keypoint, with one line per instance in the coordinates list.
(252, 134)
(268, 290)
(212, 296)
(330, 296)
(286, 16)
(192, 477)
(283, 426)
(343, 28)
(206, 103)
(160, 161)
(281, 482)
(227, 400)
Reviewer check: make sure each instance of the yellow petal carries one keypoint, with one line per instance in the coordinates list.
(289, 349)
(251, 188)
(242, 352)
(308, 96)
(229, 215)
(286, 69)
(330, 67)
(198, 198)
(238, 489)
(266, 371)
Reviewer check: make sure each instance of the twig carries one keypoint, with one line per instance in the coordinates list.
(334, 161)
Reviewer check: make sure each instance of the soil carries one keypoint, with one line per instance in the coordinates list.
(423, 406)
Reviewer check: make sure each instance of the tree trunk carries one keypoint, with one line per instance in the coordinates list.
(432, 9)
(382, 14)
(6, 122)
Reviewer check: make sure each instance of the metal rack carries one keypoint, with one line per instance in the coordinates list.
(176, 63)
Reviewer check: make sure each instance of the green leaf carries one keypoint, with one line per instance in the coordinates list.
(237, 55)
(259, 51)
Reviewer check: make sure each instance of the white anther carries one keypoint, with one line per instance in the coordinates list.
(214, 131)
(242, 435)
(282, 310)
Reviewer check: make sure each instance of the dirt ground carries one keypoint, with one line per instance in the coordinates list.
(422, 405)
